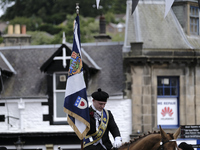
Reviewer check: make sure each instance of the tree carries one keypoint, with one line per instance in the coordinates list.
(49, 11)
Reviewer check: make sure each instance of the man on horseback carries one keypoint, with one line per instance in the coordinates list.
(101, 123)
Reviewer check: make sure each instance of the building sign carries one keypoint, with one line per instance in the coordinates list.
(190, 131)
(167, 113)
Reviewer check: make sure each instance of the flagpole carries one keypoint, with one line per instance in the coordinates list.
(77, 8)
(77, 12)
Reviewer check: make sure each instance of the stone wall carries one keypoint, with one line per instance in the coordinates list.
(144, 94)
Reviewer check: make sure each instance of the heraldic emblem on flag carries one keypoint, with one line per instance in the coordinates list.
(76, 103)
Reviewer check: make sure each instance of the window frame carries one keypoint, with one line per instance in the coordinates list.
(55, 91)
(170, 96)
(194, 18)
(170, 86)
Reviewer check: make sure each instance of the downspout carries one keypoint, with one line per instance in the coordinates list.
(195, 107)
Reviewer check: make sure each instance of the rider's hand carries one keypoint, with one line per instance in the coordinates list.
(118, 142)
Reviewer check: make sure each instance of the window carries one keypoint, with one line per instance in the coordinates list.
(168, 102)
(194, 20)
(59, 82)
(167, 86)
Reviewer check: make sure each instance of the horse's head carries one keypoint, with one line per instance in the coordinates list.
(168, 141)
(153, 141)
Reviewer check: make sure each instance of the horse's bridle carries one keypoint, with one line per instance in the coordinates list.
(161, 147)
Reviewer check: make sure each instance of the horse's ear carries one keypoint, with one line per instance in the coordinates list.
(163, 134)
(176, 134)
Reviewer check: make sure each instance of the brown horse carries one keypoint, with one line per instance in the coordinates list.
(153, 141)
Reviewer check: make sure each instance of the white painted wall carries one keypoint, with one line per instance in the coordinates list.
(30, 116)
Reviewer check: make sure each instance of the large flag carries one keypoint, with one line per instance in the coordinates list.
(168, 5)
(76, 103)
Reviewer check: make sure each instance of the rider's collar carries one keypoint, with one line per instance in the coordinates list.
(99, 112)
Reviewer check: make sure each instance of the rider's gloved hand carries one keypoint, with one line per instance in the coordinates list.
(118, 142)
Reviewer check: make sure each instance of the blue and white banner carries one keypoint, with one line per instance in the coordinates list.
(76, 103)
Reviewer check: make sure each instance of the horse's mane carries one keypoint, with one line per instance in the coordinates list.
(141, 137)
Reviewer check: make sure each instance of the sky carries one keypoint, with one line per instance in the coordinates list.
(1, 12)
(8, 5)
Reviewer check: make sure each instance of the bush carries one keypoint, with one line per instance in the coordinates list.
(40, 38)
(51, 29)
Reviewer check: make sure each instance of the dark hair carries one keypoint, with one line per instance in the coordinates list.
(185, 146)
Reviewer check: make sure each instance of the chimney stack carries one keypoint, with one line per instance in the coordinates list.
(10, 29)
(19, 37)
(102, 25)
(17, 29)
(102, 37)
(23, 29)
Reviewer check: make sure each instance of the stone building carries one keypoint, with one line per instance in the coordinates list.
(161, 64)
(153, 79)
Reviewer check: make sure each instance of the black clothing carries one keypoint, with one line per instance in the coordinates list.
(185, 146)
(111, 127)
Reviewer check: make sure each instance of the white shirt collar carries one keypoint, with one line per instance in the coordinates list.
(99, 112)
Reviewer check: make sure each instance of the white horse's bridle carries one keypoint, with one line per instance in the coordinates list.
(162, 144)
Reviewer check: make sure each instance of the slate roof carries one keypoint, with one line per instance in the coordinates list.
(5, 65)
(109, 59)
(148, 25)
(30, 82)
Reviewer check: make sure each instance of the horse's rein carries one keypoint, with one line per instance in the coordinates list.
(161, 147)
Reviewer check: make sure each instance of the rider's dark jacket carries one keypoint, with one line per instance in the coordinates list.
(111, 127)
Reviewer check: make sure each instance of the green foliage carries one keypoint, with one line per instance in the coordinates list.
(119, 7)
(117, 37)
(110, 17)
(40, 38)
(52, 29)
(88, 28)
(53, 17)
(1, 40)
(31, 23)
(54, 11)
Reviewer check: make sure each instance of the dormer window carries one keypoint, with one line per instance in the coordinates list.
(59, 86)
(194, 20)
(56, 69)
(187, 13)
